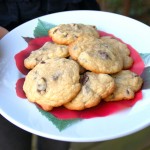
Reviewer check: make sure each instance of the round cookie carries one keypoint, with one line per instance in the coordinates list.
(68, 33)
(94, 88)
(52, 83)
(120, 48)
(127, 83)
(94, 55)
(47, 51)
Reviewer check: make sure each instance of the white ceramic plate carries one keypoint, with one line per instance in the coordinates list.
(26, 116)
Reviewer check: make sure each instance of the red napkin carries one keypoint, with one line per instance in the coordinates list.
(104, 108)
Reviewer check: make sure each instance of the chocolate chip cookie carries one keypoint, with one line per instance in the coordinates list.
(68, 33)
(94, 55)
(94, 88)
(47, 51)
(120, 48)
(52, 82)
(127, 83)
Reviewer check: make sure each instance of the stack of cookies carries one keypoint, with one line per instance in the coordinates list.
(79, 69)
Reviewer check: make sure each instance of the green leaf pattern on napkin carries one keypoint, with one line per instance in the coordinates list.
(146, 73)
(42, 28)
(146, 58)
(60, 124)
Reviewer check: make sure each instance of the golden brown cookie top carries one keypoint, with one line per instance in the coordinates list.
(127, 83)
(94, 55)
(94, 88)
(68, 33)
(53, 82)
(47, 51)
(120, 48)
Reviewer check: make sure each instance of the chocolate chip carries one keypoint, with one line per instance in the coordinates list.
(55, 31)
(94, 27)
(43, 62)
(65, 34)
(72, 24)
(56, 76)
(44, 49)
(83, 79)
(112, 96)
(75, 36)
(87, 88)
(36, 72)
(41, 92)
(127, 91)
(103, 55)
(38, 58)
(76, 27)
(41, 85)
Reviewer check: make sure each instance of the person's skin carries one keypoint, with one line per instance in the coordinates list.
(3, 32)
